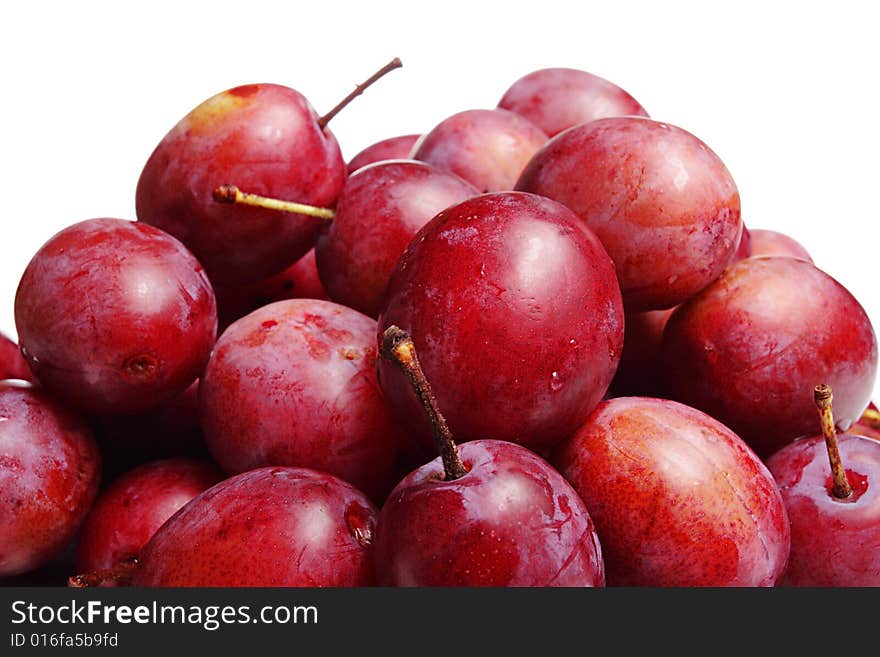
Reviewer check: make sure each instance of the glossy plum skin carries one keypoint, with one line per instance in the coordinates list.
(393, 148)
(294, 383)
(265, 139)
(751, 347)
(266, 527)
(555, 99)
(772, 243)
(515, 312)
(12, 364)
(664, 205)
(49, 475)
(128, 513)
(678, 499)
(115, 316)
(299, 281)
(833, 542)
(380, 209)
(512, 520)
(488, 148)
(639, 371)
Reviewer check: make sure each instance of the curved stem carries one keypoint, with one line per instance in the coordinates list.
(823, 397)
(397, 346)
(120, 574)
(232, 194)
(358, 90)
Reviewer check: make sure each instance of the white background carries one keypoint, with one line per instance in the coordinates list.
(786, 94)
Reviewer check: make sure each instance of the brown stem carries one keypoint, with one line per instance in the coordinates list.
(358, 90)
(232, 194)
(397, 346)
(823, 397)
(120, 575)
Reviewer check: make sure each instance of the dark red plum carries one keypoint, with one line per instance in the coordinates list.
(555, 99)
(380, 210)
(115, 317)
(678, 499)
(514, 308)
(294, 383)
(831, 488)
(488, 148)
(749, 349)
(491, 513)
(132, 508)
(393, 148)
(266, 527)
(49, 475)
(833, 542)
(511, 520)
(663, 204)
(264, 138)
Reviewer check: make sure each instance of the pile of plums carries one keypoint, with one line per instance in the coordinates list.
(534, 346)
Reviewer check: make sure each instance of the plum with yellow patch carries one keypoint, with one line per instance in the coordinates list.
(264, 138)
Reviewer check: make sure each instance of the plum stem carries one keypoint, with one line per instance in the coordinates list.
(119, 574)
(397, 346)
(840, 487)
(358, 90)
(232, 194)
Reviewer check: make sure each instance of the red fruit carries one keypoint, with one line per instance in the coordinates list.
(294, 383)
(266, 139)
(663, 204)
(393, 148)
(266, 527)
(749, 349)
(771, 243)
(488, 148)
(515, 311)
(833, 542)
(494, 514)
(555, 99)
(380, 210)
(49, 474)
(511, 520)
(12, 365)
(299, 281)
(678, 499)
(128, 513)
(835, 537)
(114, 316)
